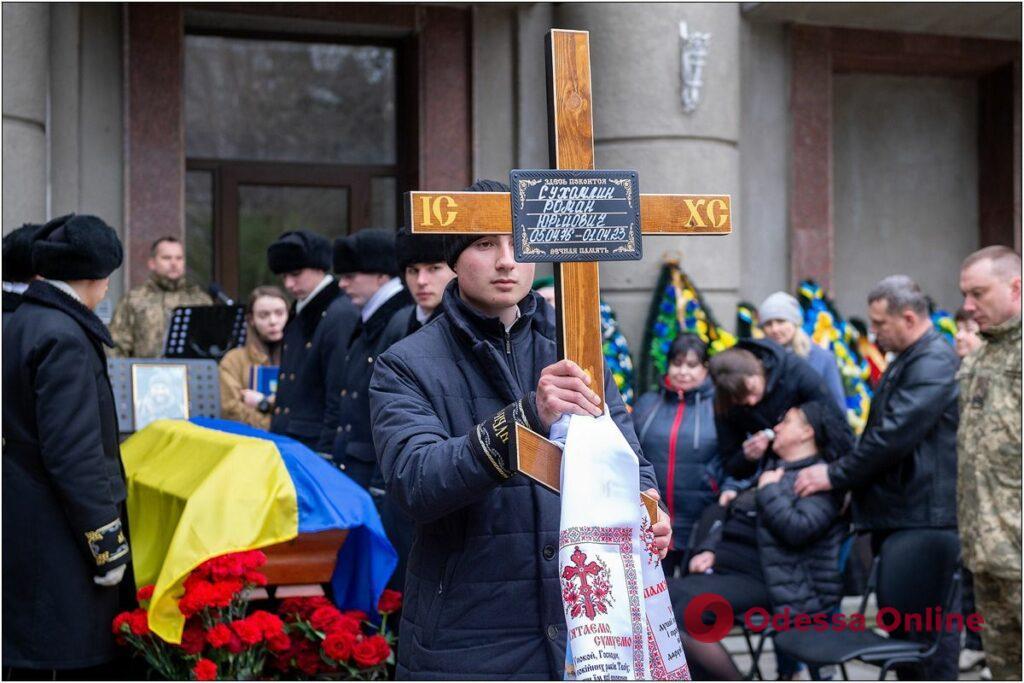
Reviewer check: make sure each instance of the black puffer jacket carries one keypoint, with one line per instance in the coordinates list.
(798, 541)
(482, 597)
(789, 381)
(903, 471)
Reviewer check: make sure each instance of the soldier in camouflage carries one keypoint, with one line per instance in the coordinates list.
(989, 452)
(140, 320)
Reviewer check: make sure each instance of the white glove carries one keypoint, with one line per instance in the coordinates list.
(111, 578)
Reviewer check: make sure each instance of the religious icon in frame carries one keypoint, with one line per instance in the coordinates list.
(159, 391)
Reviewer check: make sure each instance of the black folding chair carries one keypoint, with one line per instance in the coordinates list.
(754, 673)
(915, 569)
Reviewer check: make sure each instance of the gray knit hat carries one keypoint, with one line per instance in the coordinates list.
(781, 306)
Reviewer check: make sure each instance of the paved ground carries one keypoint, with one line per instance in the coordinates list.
(857, 671)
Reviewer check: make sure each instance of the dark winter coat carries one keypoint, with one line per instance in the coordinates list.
(677, 433)
(301, 382)
(352, 447)
(903, 471)
(482, 594)
(405, 322)
(789, 381)
(798, 541)
(63, 486)
(11, 301)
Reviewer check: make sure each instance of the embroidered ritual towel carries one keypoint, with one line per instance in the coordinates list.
(610, 576)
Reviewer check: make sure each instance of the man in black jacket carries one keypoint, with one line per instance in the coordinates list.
(17, 266)
(482, 591)
(903, 471)
(65, 545)
(374, 287)
(302, 259)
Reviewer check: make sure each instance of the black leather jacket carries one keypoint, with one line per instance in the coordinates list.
(903, 471)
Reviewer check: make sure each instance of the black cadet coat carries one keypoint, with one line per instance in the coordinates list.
(903, 471)
(352, 443)
(299, 404)
(63, 486)
(482, 597)
(11, 301)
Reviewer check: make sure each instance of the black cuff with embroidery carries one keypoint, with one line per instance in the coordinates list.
(492, 438)
(108, 545)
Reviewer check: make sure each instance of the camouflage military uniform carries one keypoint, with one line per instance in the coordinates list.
(989, 490)
(140, 319)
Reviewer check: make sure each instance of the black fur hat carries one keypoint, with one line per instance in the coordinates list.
(373, 251)
(299, 249)
(456, 244)
(17, 253)
(76, 247)
(344, 257)
(411, 248)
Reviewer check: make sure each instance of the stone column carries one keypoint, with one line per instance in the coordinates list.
(26, 70)
(639, 123)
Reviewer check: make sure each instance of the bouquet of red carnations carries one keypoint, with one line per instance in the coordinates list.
(220, 640)
(309, 637)
(329, 643)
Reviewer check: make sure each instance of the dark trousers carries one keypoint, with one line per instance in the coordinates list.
(944, 665)
(972, 639)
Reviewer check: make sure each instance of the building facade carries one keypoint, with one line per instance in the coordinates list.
(855, 140)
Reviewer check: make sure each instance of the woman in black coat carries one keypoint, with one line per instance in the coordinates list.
(756, 382)
(774, 550)
(65, 547)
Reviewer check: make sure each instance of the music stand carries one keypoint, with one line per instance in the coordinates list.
(204, 331)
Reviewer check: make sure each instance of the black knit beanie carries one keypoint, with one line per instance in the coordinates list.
(297, 250)
(17, 253)
(76, 247)
(456, 244)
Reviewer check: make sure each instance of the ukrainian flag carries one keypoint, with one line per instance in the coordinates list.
(204, 488)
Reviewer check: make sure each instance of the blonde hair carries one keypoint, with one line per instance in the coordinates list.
(801, 343)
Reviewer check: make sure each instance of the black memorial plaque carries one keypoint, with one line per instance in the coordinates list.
(575, 215)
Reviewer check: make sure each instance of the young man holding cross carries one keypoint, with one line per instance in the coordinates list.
(482, 590)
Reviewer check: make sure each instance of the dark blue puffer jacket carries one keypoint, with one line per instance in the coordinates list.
(482, 595)
(678, 437)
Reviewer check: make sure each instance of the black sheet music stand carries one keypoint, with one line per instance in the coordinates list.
(204, 331)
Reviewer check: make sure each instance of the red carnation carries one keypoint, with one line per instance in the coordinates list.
(279, 642)
(390, 602)
(256, 578)
(205, 670)
(193, 638)
(371, 652)
(358, 614)
(270, 624)
(144, 593)
(309, 662)
(138, 622)
(248, 630)
(324, 618)
(302, 608)
(224, 592)
(119, 621)
(219, 635)
(338, 646)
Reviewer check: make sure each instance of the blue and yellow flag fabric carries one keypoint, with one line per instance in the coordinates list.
(204, 488)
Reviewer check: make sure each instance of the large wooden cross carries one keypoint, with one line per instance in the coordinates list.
(577, 289)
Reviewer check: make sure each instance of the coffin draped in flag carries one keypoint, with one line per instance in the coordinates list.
(200, 489)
